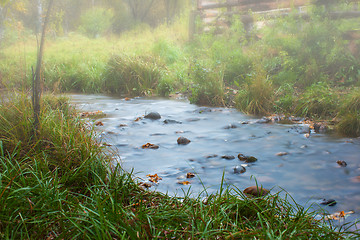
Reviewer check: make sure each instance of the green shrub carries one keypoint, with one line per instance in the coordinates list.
(208, 85)
(96, 21)
(138, 75)
(166, 51)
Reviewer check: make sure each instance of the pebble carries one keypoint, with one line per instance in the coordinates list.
(239, 169)
(328, 202)
(183, 141)
(256, 191)
(228, 157)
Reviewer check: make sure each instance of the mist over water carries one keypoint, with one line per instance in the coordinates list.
(308, 171)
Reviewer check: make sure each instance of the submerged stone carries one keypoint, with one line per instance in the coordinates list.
(228, 157)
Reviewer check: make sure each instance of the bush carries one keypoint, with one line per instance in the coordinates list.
(96, 21)
(137, 75)
(208, 85)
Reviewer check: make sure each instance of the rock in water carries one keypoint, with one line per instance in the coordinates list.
(256, 191)
(328, 202)
(247, 159)
(239, 169)
(153, 115)
(183, 141)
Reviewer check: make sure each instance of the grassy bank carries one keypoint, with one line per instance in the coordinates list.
(61, 185)
(307, 68)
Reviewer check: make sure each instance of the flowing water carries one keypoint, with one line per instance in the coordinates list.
(308, 172)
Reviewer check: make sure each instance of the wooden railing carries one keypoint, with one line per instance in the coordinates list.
(215, 10)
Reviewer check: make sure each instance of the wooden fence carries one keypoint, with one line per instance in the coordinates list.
(215, 13)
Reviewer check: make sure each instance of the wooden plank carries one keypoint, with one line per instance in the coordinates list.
(254, 3)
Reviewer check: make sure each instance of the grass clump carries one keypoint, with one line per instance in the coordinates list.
(256, 96)
(318, 101)
(349, 115)
(138, 75)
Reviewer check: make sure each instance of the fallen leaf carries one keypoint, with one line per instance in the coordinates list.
(150, 146)
(190, 175)
(154, 178)
(184, 182)
(338, 215)
(99, 123)
(281, 154)
(93, 114)
(341, 163)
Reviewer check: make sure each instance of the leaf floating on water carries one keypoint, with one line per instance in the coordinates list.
(138, 119)
(154, 178)
(184, 182)
(150, 146)
(341, 163)
(338, 215)
(190, 175)
(281, 154)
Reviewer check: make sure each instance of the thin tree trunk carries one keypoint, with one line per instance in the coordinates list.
(37, 77)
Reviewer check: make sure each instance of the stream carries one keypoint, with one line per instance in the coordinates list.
(288, 159)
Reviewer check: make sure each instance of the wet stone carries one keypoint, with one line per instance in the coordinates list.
(153, 116)
(320, 128)
(170, 121)
(264, 120)
(256, 191)
(328, 202)
(183, 141)
(203, 110)
(230, 126)
(211, 156)
(247, 159)
(239, 169)
(228, 157)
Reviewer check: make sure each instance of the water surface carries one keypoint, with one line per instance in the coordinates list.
(308, 172)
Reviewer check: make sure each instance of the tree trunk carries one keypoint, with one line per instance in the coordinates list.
(39, 16)
(2, 20)
(37, 77)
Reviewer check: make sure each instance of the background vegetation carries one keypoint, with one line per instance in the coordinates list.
(62, 184)
(292, 66)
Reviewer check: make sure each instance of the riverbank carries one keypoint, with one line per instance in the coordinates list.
(59, 185)
(291, 67)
